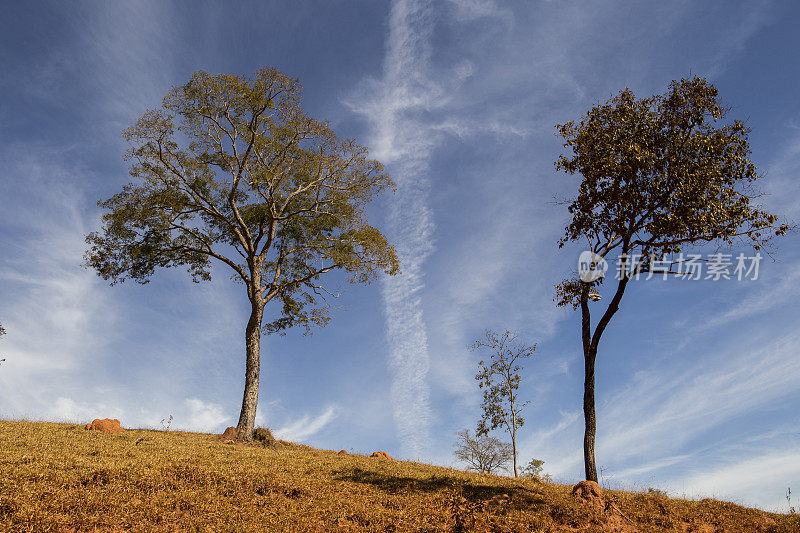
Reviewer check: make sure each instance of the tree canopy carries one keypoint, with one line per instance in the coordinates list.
(660, 173)
(482, 453)
(232, 169)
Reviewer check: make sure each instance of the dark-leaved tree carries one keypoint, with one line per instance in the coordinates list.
(659, 174)
(232, 169)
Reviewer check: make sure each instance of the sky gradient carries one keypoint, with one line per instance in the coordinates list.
(698, 382)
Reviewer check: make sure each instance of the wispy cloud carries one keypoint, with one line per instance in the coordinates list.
(398, 140)
(306, 427)
(749, 479)
(55, 309)
(646, 424)
(763, 298)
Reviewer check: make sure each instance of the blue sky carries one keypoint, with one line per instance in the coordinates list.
(698, 383)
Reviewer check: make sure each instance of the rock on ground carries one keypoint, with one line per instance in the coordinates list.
(105, 425)
(382, 455)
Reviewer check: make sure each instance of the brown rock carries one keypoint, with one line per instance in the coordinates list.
(106, 425)
(230, 433)
(382, 455)
(342, 452)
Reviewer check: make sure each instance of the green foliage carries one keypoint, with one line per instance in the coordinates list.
(533, 468)
(482, 453)
(231, 168)
(500, 381)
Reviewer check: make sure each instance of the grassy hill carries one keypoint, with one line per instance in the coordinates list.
(60, 477)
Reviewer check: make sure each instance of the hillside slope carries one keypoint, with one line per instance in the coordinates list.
(60, 477)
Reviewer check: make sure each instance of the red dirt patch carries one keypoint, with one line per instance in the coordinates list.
(105, 425)
(382, 455)
(588, 490)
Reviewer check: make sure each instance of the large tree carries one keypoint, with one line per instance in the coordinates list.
(232, 169)
(659, 174)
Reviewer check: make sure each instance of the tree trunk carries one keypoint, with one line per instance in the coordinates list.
(247, 418)
(590, 343)
(514, 449)
(590, 421)
(589, 417)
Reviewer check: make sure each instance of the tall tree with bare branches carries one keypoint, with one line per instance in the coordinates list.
(231, 169)
(660, 174)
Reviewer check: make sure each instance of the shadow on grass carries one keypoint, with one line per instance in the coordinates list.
(395, 484)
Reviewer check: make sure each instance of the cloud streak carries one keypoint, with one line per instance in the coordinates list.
(306, 427)
(400, 141)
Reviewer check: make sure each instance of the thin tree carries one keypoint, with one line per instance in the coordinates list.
(500, 381)
(232, 169)
(482, 453)
(2, 332)
(659, 174)
(533, 468)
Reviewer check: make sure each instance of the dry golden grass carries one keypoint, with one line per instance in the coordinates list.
(60, 477)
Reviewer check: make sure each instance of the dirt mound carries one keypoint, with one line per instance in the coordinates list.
(230, 433)
(105, 425)
(382, 455)
(589, 491)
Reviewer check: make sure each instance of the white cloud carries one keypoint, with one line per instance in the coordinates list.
(55, 310)
(646, 423)
(204, 417)
(306, 427)
(68, 410)
(761, 480)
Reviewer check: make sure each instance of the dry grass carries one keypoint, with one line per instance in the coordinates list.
(59, 477)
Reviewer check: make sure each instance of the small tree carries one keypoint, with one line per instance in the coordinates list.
(232, 169)
(500, 381)
(659, 174)
(533, 468)
(482, 453)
